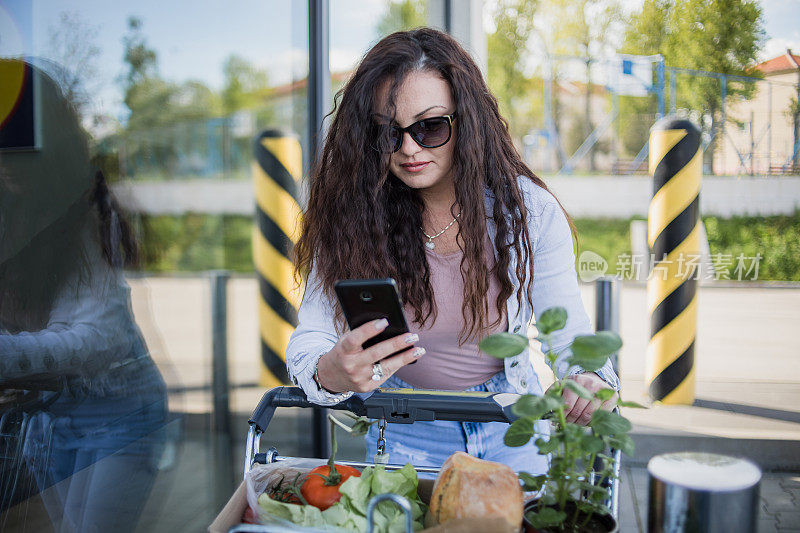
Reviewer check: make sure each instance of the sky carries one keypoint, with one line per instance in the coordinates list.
(782, 22)
(193, 38)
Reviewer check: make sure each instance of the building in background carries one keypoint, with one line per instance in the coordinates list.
(764, 130)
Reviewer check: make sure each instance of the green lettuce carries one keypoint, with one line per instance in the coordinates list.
(302, 515)
(350, 513)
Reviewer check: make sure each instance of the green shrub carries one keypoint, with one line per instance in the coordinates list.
(775, 238)
(608, 237)
(192, 242)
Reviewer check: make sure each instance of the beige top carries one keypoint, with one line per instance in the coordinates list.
(446, 365)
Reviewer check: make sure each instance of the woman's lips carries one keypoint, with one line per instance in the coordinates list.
(414, 167)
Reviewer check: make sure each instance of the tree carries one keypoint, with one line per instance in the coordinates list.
(718, 36)
(403, 15)
(141, 60)
(583, 28)
(153, 101)
(246, 90)
(793, 113)
(508, 54)
(646, 36)
(159, 109)
(246, 87)
(71, 44)
(158, 103)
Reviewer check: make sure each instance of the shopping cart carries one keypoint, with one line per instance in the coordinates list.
(399, 406)
(17, 410)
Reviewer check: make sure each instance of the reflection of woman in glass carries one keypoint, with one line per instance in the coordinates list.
(419, 181)
(67, 331)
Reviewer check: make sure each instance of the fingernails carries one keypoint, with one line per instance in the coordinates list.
(419, 352)
(381, 324)
(411, 338)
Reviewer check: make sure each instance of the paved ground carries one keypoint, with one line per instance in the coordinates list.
(745, 348)
(748, 381)
(748, 398)
(189, 491)
(780, 501)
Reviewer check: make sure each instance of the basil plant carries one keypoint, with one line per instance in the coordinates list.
(568, 499)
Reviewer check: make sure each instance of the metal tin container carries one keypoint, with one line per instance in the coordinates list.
(702, 492)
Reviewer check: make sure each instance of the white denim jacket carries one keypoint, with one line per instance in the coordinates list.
(555, 283)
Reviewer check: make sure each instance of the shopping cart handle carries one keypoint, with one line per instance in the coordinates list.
(404, 406)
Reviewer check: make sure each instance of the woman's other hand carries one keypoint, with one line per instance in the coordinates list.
(580, 410)
(348, 366)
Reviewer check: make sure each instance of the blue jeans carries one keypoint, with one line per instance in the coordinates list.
(430, 443)
(97, 454)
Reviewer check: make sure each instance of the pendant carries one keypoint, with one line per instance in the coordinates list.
(430, 245)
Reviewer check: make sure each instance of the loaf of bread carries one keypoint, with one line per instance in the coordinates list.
(467, 487)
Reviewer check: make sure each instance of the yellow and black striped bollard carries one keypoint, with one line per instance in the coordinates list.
(277, 169)
(673, 239)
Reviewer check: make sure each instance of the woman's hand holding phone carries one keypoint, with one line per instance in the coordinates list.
(348, 366)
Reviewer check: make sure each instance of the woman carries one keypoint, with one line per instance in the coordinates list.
(419, 181)
(94, 400)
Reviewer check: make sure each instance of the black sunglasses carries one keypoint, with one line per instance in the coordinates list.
(429, 133)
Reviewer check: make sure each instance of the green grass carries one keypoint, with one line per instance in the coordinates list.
(608, 237)
(192, 243)
(776, 238)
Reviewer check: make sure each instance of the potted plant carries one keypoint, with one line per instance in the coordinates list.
(568, 501)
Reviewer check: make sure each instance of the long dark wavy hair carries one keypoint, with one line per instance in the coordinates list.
(52, 210)
(31, 280)
(361, 221)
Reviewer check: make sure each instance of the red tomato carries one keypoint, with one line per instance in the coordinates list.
(285, 498)
(322, 495)
(250, 517)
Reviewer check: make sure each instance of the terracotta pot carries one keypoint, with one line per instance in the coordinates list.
(598, 523)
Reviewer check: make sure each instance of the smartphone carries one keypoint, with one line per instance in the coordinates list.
(364, 300)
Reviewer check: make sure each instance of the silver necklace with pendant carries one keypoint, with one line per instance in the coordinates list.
(430, 244)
